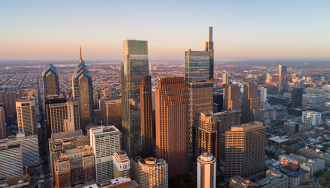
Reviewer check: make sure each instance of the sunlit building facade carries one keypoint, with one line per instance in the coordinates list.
(50, 82)
(26, 116)
(206, 171)
(282, 79)
(250, 105)
(199, 74)
(82, 87)
(134, 68)
(232, 98)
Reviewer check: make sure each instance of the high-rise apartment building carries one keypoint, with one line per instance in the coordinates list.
(134, 68)
(206, 171)
(232, 97)
(250, 105)
(111, 113)
(3, 125)
(199, 74)
(146, 118)
(150, 172)
(75, 166)
(296, 97)
(29, 147)
(55, 99)
(9, 99)
(26, 116)
(225, 78)
(50, 82)
(105, 141)
(121, 165)
(172, 119)
(205, 134)
(245, 150)
(11, 165)
(82, 87)
(282, 79)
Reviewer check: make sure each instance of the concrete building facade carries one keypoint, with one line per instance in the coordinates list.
(206, 171)
(232, 98)
(26, 116)
(121, 165)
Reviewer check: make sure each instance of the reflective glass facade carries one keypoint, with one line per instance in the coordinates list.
(135, 66)
(82, 86)
(199, 65)
(50, 80)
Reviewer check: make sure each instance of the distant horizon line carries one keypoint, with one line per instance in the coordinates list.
(182, 60)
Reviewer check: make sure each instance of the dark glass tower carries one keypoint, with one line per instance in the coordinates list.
(134, 68)
(82, 86)
(50, 80)
(282, 79)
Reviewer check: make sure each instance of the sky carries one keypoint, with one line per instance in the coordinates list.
(242, 30)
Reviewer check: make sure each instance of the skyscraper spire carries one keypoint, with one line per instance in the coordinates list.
(80, 53)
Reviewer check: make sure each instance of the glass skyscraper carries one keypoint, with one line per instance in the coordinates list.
(82, 86)
(134, 68)
(199, 73)
(50, 80)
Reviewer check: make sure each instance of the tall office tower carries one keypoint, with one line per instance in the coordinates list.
(51, 100)
(225, 78)
(50, 82)
(29, 148)
(11, 165)
(75, 166)
(245, 150)
(250, 105)
(199, 74)
(218, 99)
(299, 83)
(150, 172)
(205, 135)
(134, 68)
(64, 117)
(282, 79)
(105, 141)
(206, 171)
(3, 125)
(61, 142)
(172, 119)
(232, 97)
(296, 97)
(82, 87)
(262, 97)
(111, 113)
(146, 118)
(121, 165)
(9, 99)
(26, 116)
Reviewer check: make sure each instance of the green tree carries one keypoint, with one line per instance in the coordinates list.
(322, 181)
(220, 186)
(327, 176)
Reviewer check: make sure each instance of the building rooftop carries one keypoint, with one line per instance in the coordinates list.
(103, 129)
(296, 173)
(279, 139)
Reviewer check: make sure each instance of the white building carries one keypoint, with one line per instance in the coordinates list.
(121, 164)
(312, 99)
(311, 118)
(206, 170)
(263, 95)
(105, 141)
(26, 116)
(225, 78)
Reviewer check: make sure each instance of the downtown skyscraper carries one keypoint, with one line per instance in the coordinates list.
(82, 87)
(282, 79)
(250, 105)
(50, 82)
(135, 68)
(172, 119)
(199, 73)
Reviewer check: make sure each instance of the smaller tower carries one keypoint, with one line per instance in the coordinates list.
(121, 165)
(206, 171)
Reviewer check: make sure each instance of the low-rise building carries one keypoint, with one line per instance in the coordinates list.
(115, 183)
(311, 118)
(298, 177)
(313, 165)
(279, 140)
(312, 99)
(273, 178)
(312, 153)
(286, 160)
(299, 158)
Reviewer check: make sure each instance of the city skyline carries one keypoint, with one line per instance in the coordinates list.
(243, 31)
